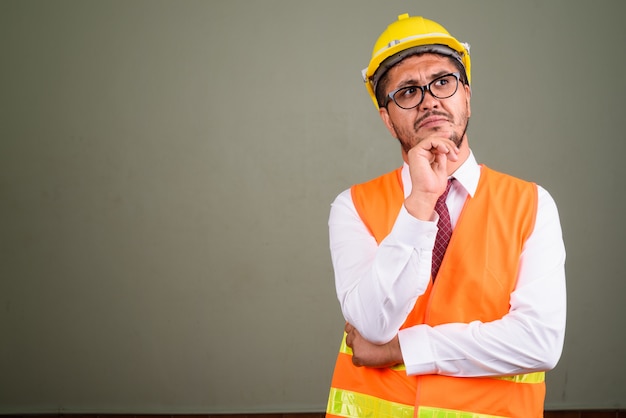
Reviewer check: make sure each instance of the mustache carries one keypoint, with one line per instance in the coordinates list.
(428, 115)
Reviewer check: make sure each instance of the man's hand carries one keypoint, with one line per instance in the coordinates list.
(365, 353)
(428, 165)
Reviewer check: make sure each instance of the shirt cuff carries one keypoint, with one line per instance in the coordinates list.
(417, 351)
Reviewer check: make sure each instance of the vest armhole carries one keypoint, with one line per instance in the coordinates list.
(378, 202)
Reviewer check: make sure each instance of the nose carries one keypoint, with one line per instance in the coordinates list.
(429, 101)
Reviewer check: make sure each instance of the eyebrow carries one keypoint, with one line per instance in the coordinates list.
(413, 82)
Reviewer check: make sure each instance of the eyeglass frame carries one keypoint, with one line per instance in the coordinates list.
(425, 88)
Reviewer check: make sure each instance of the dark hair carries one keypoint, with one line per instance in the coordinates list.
(381, 87)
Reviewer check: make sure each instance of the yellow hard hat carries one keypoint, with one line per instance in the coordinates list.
(408, 36)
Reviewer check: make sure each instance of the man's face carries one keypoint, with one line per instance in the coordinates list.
(440, 117)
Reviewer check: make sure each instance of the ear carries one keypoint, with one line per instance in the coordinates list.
(468, 99)
(384, 115)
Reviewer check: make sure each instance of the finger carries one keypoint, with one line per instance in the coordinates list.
(349, 340)
(348, 328)
(440, 166)
(444, 147)
(439, 148)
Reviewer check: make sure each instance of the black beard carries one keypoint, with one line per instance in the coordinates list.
(457, 139)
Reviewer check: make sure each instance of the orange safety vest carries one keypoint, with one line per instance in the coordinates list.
(474, 283)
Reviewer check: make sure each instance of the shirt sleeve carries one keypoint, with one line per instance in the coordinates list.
(378, 285)
(529, 338)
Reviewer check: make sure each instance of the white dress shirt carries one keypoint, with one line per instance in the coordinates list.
(377, 286)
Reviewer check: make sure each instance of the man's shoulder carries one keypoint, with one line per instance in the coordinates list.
(502, 177)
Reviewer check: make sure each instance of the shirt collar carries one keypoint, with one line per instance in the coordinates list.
(467, 176)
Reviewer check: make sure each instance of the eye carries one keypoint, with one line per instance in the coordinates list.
(408, 92)
(442, 82)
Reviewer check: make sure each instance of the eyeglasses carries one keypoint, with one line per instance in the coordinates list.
(411, 96)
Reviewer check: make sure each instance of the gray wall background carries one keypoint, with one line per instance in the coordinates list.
(166, 172)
